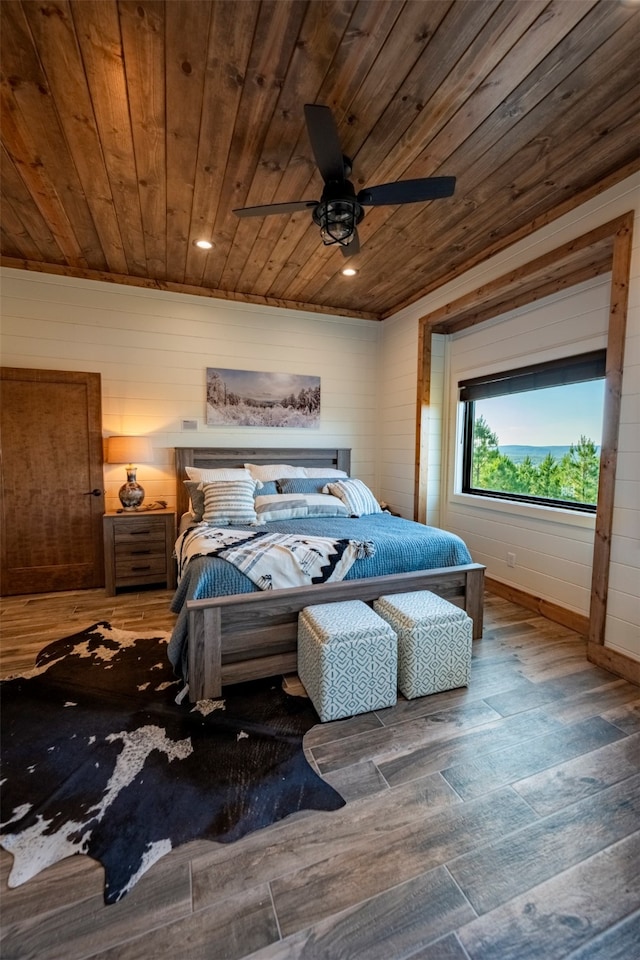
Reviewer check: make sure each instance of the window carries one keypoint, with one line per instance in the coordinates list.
(533, 434)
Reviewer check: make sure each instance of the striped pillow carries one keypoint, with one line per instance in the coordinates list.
(278, 507)
(229, 501)
(292, 506)
(355, 495)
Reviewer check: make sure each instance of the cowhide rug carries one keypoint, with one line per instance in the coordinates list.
(97, 758)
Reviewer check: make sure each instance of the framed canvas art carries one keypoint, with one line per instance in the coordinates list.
(249, 398)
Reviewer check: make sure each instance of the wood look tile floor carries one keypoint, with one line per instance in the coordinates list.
(498, 822)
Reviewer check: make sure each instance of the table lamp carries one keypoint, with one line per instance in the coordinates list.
(130, 450)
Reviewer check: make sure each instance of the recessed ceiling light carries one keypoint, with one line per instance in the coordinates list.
(349, 272)
(204, 244)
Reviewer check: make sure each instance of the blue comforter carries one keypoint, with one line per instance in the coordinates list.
(401, 546)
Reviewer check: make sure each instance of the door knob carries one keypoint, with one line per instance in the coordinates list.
(93, 493)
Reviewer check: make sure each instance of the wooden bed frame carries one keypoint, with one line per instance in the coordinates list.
(252, 635)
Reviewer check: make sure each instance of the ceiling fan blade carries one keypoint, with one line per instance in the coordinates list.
(408, 191)
(268, 208)
(350, 249)
(325, 143)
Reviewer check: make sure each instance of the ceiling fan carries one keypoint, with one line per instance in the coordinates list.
(339, 210)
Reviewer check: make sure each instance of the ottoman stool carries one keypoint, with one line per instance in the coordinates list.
(347, 659)
(434, 642)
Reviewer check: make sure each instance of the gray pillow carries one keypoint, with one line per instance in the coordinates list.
(303, 484)
(268, 488)
(197, 498)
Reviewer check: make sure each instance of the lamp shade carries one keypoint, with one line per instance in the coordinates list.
(129, 450)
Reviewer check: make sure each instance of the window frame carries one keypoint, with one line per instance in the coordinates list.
(565, 371)
(607, 248)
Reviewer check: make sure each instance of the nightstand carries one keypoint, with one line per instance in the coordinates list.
(138, 549)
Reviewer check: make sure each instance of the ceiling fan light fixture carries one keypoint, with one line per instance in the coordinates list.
(338, 220)
(336, 233)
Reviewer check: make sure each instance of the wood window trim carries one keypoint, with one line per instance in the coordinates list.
(602, 250)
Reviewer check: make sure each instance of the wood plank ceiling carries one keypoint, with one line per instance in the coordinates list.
(132, 129)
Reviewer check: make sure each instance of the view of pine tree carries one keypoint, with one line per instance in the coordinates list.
(485, 448)
(580, 471)
(547, 482)
(574, 478)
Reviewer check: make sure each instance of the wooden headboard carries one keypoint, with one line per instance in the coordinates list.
(211, 457)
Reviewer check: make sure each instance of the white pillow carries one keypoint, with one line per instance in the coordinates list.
(227, 502)
(274, 471)
(219, 473)
(355, 495)
(314, 472)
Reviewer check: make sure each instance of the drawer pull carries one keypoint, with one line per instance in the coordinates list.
(139, 533)
(138, 553)
(148, 567)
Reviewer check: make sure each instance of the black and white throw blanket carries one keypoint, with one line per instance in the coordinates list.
(274, 560)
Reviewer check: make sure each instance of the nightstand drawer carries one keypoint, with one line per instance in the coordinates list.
(135, 529)
(129, 568)
(139, 548)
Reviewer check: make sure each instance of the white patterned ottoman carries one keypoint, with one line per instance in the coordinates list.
(347, 659)
(434, 641)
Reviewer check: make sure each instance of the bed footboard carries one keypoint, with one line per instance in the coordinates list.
(248, 636)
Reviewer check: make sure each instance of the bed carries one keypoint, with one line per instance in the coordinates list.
(244, 633)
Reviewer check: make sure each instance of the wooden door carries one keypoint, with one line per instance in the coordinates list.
(52, 482)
